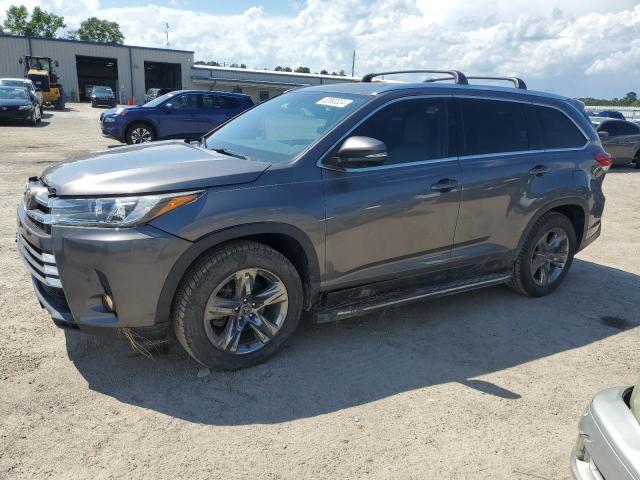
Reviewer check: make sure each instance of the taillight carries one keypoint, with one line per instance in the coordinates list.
(604, 160)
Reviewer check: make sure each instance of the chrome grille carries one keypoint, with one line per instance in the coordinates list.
(41, 264)
(36, 204)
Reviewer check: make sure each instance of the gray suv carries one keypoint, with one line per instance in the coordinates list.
(333, 200)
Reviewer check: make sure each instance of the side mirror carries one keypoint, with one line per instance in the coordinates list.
(167, 107)
(603, 134)
(360, 152)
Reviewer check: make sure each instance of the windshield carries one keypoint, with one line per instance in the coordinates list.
(102, 90)
(13, 83)
(158, 100)
(278, 130)
(13, 93)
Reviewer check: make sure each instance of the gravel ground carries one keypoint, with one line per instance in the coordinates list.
(481, 385)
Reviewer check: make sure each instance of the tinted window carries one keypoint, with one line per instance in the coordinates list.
(625, 128)
(557, 130)
(215, 102)
(492, 126)
(610, 127)
(412, 130)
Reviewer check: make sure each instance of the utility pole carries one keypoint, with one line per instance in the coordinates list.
(167, 34)
(353, 63)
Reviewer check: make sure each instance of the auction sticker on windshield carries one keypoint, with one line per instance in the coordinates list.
(334, 102)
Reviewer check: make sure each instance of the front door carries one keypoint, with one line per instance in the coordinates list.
(399, 218)
(181, 119)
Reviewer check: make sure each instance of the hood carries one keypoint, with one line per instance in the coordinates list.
(150, 168)
(114, 110)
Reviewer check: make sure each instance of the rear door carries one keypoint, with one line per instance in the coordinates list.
(623, 141)
(397, 219)
(181, 120)
(517, 157)
(216, 109)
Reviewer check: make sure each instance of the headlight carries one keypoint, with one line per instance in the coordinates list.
(25, 107)
(109, 119)
(116, 211)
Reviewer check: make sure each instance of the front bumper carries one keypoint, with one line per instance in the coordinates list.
(15, 115)
(611, 436)
(112, 130)
(72, 267)
(111, 102)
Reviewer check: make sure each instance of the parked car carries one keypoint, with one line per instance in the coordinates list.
(608, 443)
(154, 93)
(619, 138)
(181, 114)
(18, 105)
(24, 83)
(608, 114)
(101, 95)
(337, 200)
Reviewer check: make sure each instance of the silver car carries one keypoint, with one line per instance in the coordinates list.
(608, 445)
(620, 139)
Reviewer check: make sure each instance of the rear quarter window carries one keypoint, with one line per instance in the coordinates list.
(558, 130)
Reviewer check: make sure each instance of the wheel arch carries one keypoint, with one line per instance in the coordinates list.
(290, 241)
(574, 208)
(145, 121)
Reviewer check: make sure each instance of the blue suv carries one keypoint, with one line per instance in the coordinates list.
(181, 114)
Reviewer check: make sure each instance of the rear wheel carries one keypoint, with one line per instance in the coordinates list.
(59, 105)
(237, 306)
(140, 133)
(545, 257)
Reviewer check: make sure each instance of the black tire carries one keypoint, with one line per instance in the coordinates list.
(201, 281)
(34, 118)
(59, 105)
(522, 280)
(130, 136)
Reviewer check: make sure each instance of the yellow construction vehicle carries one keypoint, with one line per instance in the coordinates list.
(40, 71)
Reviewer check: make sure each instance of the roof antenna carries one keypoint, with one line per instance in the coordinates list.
(167, 34)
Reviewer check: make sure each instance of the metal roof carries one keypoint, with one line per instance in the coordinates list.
(103, 44)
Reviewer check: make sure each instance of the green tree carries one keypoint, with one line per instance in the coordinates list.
(96, 30)
(40, 24)
(302, 70)
(324, 72)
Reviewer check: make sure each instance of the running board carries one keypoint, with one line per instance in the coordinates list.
(340, 312)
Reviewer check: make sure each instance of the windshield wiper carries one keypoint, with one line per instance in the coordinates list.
(224, 151)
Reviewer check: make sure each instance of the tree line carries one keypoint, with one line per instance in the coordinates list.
(279, 68)
(629, 100)
(40, 23)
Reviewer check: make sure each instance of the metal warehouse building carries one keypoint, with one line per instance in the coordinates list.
(130, 70)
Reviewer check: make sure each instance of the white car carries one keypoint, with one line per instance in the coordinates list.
(25, 83)
(608, 445)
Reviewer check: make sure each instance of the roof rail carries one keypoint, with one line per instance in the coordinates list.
(456, 76)
(517, 82)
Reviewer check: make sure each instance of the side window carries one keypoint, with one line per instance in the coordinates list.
(185, 102)
(610, 127)
(413, 130)
(492, 126)
(558, 131)
(625, 128)
(217, 102)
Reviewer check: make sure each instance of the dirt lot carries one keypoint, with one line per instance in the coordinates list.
(481, 385)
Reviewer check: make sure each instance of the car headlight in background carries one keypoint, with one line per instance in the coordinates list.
(116, 211)
(109, 119)
(25, 107)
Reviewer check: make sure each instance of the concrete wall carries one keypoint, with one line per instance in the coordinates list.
(130, 80)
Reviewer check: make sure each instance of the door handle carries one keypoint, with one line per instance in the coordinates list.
(539, 170)
(444, 185)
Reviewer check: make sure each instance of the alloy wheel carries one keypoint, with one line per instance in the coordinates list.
(549, 257)
(140, 135)
(245, 311)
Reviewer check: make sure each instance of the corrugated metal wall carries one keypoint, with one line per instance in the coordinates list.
(14, 48)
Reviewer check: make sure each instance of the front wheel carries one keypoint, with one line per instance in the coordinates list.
(140, 133)
(545, 257)
(237, 306)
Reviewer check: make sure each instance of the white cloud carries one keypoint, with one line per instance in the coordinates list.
(575, 47)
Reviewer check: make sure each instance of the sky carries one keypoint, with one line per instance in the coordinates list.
(571, 47)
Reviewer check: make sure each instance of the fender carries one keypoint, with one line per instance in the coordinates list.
(211, 240)
(581, 202)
